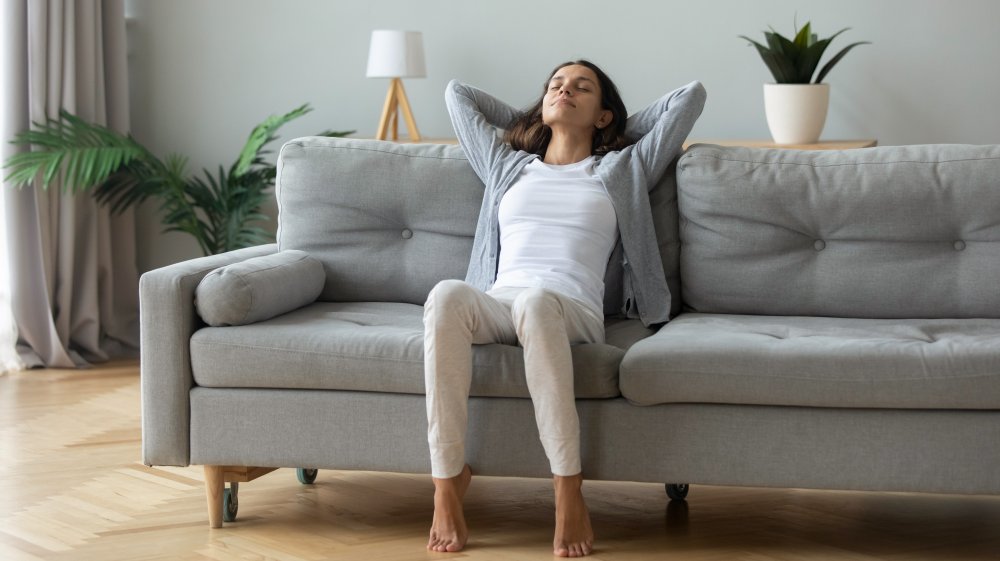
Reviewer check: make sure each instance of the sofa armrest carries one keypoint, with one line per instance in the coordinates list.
(167, 319)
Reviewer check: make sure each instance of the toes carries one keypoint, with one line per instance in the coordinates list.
(442, 544)
(573, 550)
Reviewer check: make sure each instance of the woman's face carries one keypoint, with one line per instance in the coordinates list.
(573, 99)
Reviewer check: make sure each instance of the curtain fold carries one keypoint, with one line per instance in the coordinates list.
(74, 283)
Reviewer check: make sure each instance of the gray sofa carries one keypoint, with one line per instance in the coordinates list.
(837, 327)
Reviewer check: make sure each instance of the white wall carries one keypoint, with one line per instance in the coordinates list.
(204, 72)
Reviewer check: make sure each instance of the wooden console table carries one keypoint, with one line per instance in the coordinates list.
(821, 145)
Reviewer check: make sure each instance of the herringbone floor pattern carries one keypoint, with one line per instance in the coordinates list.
(72, 488)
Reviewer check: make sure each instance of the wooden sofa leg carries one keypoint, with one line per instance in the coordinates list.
(214, 484)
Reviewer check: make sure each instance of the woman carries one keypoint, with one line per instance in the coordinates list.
(566, 184)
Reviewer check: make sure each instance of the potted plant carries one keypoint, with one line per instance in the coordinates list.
(218, 209)
(796, 105)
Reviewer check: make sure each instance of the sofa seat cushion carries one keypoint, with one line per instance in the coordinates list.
(817, 361)
(378, 347)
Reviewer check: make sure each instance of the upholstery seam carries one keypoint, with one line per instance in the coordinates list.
(659, 372)
(311, 352)
(815, 165)
(303, 351)
(307, 147)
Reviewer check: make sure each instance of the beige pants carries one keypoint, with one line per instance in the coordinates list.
(457, 316)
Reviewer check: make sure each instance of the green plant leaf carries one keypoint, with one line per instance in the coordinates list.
(788, 47)
(802, 37)
(829, 65)
(24, 167)
(774, 43)
(809, 60)
(336, 134)
(52, 168)
(79, 153)
(773, 62)
(780, 69)
(784, 55)
(122, 190)
(220, 210)
(795, 61)
(263, 134)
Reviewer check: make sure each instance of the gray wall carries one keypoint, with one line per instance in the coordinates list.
(204, 72)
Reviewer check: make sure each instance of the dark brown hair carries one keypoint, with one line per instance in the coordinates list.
(530, 134)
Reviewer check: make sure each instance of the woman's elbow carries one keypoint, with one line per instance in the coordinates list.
(452, 88)
(455, 94)
(695, 91)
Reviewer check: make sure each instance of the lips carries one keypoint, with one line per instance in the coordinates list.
(564, 101)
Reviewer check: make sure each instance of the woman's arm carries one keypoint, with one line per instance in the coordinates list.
(660, 129)
(476, 115)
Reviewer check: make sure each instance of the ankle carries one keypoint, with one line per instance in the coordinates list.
(567, 482)
(444, 487)
(452, 486)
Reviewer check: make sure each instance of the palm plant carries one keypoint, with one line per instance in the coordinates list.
(794, 61)
(220, 210)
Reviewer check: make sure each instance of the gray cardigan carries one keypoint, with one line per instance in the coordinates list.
(658, 132)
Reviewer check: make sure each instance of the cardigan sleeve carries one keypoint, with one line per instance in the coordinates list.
(660, 129)
(476, 116)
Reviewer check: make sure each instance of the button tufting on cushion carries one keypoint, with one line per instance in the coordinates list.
(407, 234)
(959, 245)
(889, 218)
(820, 245)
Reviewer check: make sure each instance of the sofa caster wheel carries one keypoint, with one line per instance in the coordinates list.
(677, 491)
(306, 476)
(230, 502)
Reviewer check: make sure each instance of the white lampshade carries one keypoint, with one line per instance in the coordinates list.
(396, 54)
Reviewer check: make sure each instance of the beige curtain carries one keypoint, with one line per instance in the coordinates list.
(72, 263)
(9, 361)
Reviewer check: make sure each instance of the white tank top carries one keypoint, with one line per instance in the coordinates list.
(557, 230)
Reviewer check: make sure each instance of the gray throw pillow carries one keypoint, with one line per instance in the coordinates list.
(259, 288)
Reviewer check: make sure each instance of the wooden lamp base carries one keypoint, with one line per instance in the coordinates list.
(394, 100)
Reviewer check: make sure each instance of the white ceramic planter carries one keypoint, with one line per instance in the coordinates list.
(796, 113)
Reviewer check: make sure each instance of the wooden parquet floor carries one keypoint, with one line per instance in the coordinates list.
(72, 488)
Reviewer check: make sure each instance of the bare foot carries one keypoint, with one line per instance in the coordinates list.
(448, 531)
(574, 535)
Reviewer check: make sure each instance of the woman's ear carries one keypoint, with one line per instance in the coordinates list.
(605, 119)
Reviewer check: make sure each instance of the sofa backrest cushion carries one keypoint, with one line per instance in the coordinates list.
(388, 221)
(888, 232)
